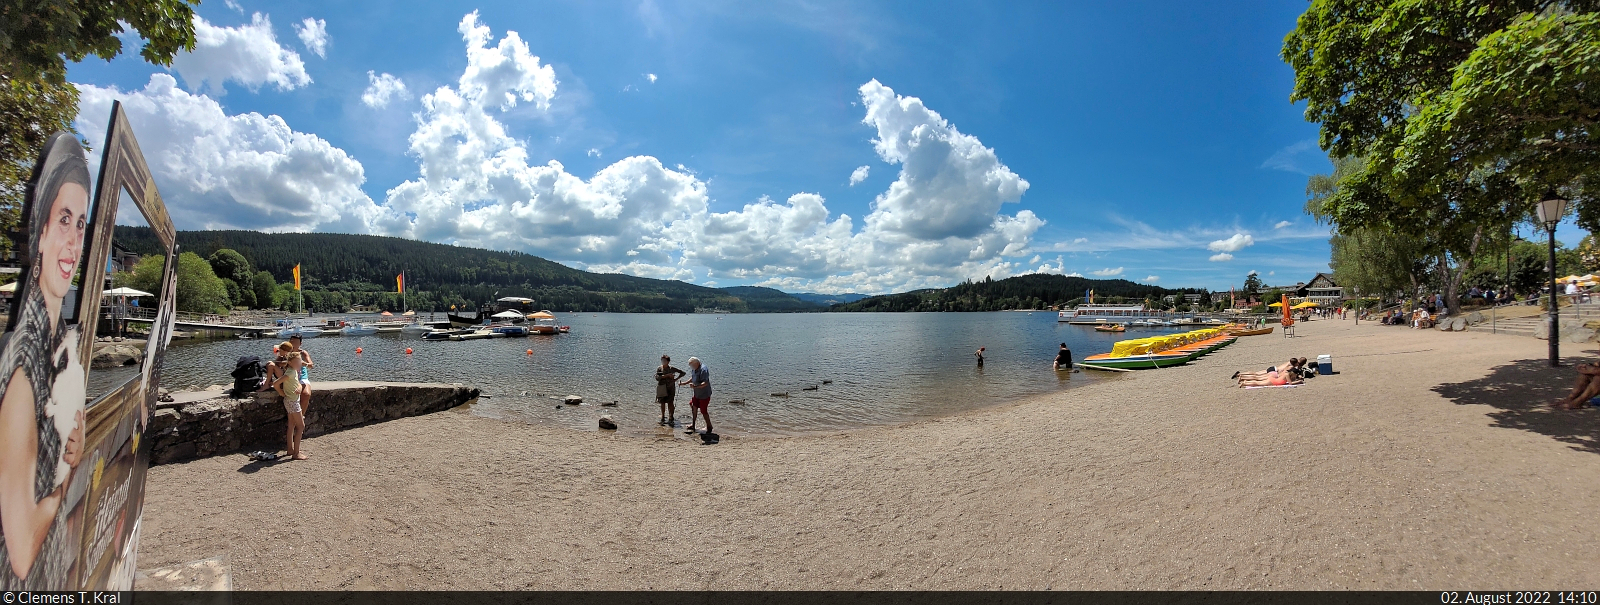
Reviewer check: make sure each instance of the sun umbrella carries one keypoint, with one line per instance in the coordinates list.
(1562, 280)
(1278, 304)
(541, 315)
(1306, 305)
(507, 315)
(386, 314)
(125, 292)
(11, 287)
(409, 313)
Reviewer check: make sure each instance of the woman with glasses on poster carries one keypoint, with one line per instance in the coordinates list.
(42, 381)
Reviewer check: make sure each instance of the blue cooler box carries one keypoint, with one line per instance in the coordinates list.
(1324, 364)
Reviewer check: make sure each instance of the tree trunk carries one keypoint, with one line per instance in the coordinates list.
(1452, 282)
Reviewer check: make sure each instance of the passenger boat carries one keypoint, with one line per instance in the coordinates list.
(1160, 351)
(1110, 327)
(1097, 314)
(464, 321)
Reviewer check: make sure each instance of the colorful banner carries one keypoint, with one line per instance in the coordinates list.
(400, 283)
(79, 475)
(297, 276)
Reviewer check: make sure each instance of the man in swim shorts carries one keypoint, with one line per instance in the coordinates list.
(700, 381)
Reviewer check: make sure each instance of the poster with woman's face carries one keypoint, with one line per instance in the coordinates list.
(42, 379)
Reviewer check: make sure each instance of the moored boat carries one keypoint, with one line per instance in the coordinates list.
(1160, 351)
(292, 329)
(1110, 327)
(359, 330)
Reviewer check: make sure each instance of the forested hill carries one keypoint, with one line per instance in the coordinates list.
(1021, 292)
(340, 269)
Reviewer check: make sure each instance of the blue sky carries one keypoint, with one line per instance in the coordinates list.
(716, 142)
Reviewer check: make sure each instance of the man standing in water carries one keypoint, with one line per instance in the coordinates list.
(1064, 358)
(700, 381)
(667, 389)
(979, 355)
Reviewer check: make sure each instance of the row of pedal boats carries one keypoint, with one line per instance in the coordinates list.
(1167, 349)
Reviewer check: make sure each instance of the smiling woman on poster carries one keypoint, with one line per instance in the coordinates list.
(42, 381)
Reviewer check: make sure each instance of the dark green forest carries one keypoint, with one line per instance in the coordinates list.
(340, 270)
(1021, 292)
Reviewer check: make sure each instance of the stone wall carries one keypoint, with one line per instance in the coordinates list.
(208, 423)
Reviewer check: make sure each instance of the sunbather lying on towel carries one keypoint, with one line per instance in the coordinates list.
(1272, 379)
(1294, 363)
(1588, 387)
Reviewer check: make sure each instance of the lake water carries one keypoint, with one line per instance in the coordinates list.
(886, 368)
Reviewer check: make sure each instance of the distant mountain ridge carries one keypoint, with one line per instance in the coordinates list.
(1020, 292)
(828, 299)
(340, 270)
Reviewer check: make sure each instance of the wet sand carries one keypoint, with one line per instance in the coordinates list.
(1429, 462)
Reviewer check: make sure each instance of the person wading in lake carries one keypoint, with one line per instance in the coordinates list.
(305, 373)
(700, 381)
(667, 389)
(979, 355)
(1064, 358)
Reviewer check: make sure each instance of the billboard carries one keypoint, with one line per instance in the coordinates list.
(72, 470)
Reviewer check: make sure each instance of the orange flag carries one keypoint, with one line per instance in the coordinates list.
(297, 276)
(400, 283)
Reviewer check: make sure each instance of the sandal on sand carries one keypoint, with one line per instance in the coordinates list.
(1235, 376)
(689, 431)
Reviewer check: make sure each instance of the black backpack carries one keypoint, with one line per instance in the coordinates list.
(247, 376)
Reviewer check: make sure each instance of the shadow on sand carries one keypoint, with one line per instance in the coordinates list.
(1522, 392)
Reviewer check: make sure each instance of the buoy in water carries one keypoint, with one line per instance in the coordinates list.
(408, 350)
(358, 350)
(530, 351)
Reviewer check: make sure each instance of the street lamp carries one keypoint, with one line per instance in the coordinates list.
(1550, 210)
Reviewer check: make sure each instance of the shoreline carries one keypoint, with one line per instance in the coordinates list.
(1426, 463)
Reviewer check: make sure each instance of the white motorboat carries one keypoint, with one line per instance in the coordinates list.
(292, 329)
(359, 330)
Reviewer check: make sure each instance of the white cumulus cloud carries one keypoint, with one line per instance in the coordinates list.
(1221, 257)
(1081, 240)
(859, 174)
(1108, 272)
(245, 171)
(506, 72)
(1152, 278)
(1238, 242)
(652, 78)
(593, 152)
(381, 88)
(314, 34)
(1282, 224)
(249, 55)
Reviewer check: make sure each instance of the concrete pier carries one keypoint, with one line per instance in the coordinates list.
(209, 423)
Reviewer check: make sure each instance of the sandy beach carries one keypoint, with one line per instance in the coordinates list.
(1429, 462)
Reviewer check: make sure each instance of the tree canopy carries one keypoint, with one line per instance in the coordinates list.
(37, 39)
(1465, 114)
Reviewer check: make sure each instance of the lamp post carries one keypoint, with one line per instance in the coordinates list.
(1550, 210)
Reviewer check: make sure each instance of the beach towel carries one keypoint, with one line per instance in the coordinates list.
(1279, 386)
